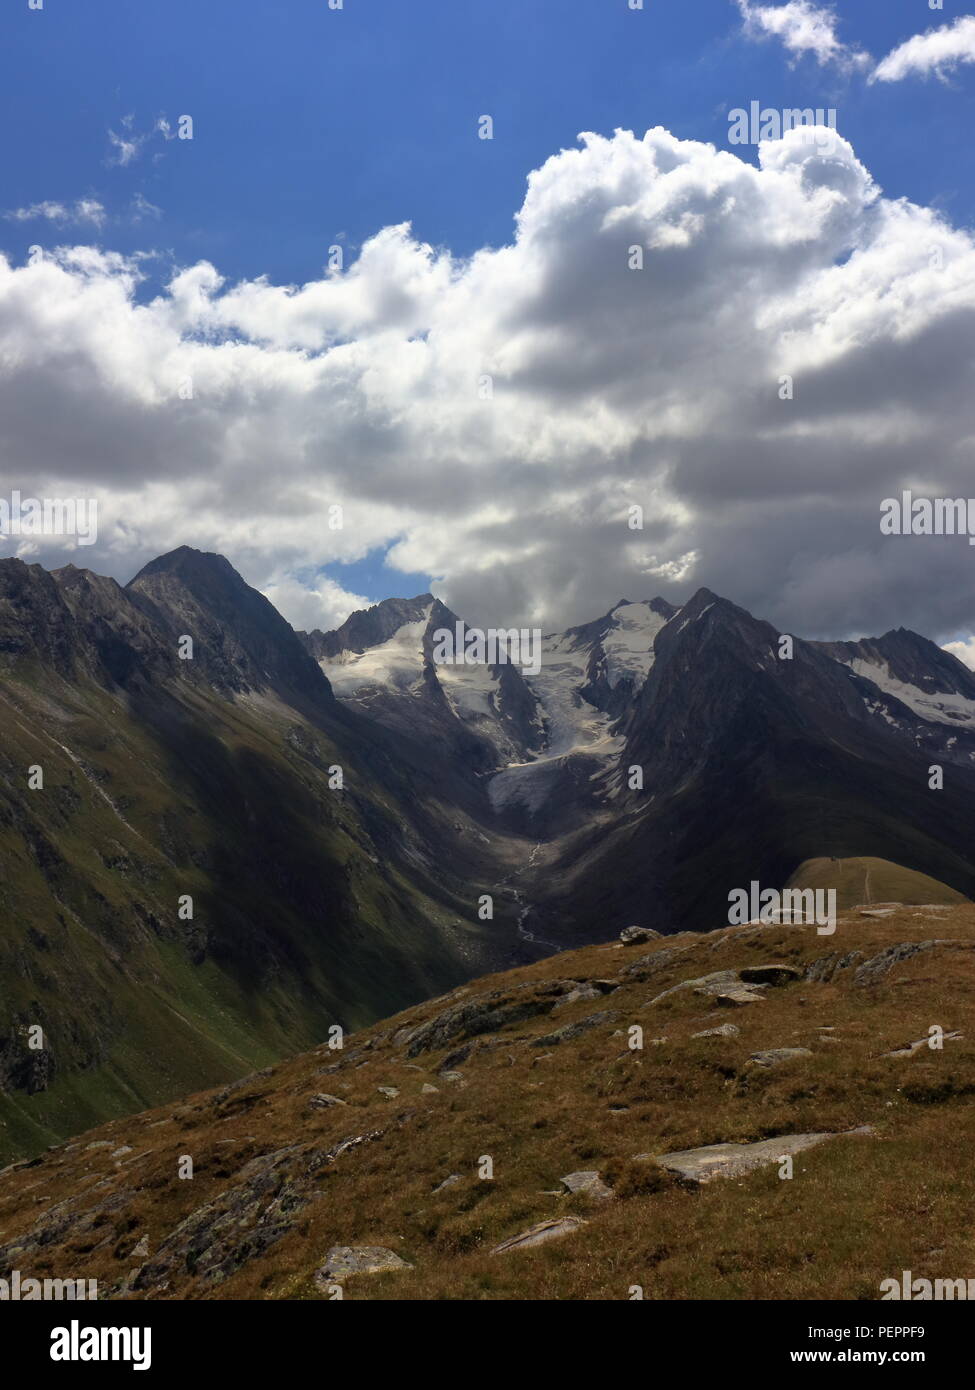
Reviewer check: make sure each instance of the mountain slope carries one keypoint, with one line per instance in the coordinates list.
(211, 779)
(750, 764)
(387, 1142)
(360, 825)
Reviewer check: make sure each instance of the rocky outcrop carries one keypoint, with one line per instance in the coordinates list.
(487, 1013)
(724, 986)
(726, 1030)
(343, 1261)
(574, 1030)
(589, 1183)
(540, 1233)
(913, 1048)
(645, 967)
(695, 1167)
(775, 1056)
(636, 936)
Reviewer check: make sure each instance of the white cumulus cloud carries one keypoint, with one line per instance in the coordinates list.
(938, 51)
(964, 650)
(493, 420)
(320, 603)
(802, 27)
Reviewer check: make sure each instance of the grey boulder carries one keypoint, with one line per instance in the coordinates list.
(342, 1261)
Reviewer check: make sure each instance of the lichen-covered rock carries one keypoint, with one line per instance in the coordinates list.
(487, 1013)
(342, 1261)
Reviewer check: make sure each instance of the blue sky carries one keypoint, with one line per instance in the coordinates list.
(313, 126)
(313, 123)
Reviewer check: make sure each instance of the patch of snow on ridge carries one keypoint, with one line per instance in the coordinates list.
(573, 725)
(629, 643)
(937, 707)
(470, 690)
(396, 663)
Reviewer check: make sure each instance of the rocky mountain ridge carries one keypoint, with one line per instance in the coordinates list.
(235, 848)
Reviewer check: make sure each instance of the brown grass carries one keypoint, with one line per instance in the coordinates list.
(858, 1209)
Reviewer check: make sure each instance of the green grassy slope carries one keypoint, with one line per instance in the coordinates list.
(871, 880)
(303, 914)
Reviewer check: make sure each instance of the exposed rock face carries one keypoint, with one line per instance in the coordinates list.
(482, 716)
(723, 985)
(540, 1233)
(368, 627)
(588, 1182)
(575, 1030)
(770, 974)
(581, 992)
(775, 1056)
(452, 1181)
(342, 1261)
(698, 1166)
(239, 1224)
(645, 967)
(635, 936)
(488, 1013)
(240, 641)
(725, 1030)
(913, 1048)
(823, 970)
(872, 971)
(736, 987)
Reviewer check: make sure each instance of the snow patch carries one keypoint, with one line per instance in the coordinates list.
(396, 663)
(629, 643)
(937, 707)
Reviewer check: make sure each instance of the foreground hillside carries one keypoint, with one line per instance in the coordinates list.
(756, 1033)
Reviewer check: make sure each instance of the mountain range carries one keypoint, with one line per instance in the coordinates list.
(239, 840)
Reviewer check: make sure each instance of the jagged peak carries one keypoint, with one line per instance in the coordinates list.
(185, 561)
